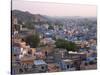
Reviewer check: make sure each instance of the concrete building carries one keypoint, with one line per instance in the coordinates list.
(40, 66)
(67, 65)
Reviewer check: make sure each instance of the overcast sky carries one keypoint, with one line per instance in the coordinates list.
(55, 9)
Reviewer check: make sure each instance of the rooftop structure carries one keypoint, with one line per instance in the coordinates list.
(39, 62)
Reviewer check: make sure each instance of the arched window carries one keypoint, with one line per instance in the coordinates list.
(20, 70)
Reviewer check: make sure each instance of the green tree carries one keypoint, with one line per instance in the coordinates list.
(60, 43)
(50, 27)
(29, 25)
(33, 40)
(70, 46)
(20, 22)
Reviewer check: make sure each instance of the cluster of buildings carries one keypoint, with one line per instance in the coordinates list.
(48, 58)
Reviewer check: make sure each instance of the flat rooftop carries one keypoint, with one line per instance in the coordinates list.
(70, 52)
(39, 62)
(67, 60)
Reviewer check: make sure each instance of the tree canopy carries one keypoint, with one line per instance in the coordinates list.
(33, 40)
(50, 27)
(70, 46)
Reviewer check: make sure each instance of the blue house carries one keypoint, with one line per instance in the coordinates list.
(66, 65)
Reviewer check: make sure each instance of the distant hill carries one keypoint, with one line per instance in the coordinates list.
(28, 17)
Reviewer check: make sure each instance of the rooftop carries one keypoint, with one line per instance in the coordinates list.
(70, 52)
(39, 62)
(67, 60)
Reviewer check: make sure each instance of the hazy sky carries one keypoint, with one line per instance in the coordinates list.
(55, 9)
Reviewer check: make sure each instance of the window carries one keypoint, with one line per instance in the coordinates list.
(30, 52)
(26, 69)
(67, 66)
(42, 67)
(20, 70)
(15, 55)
